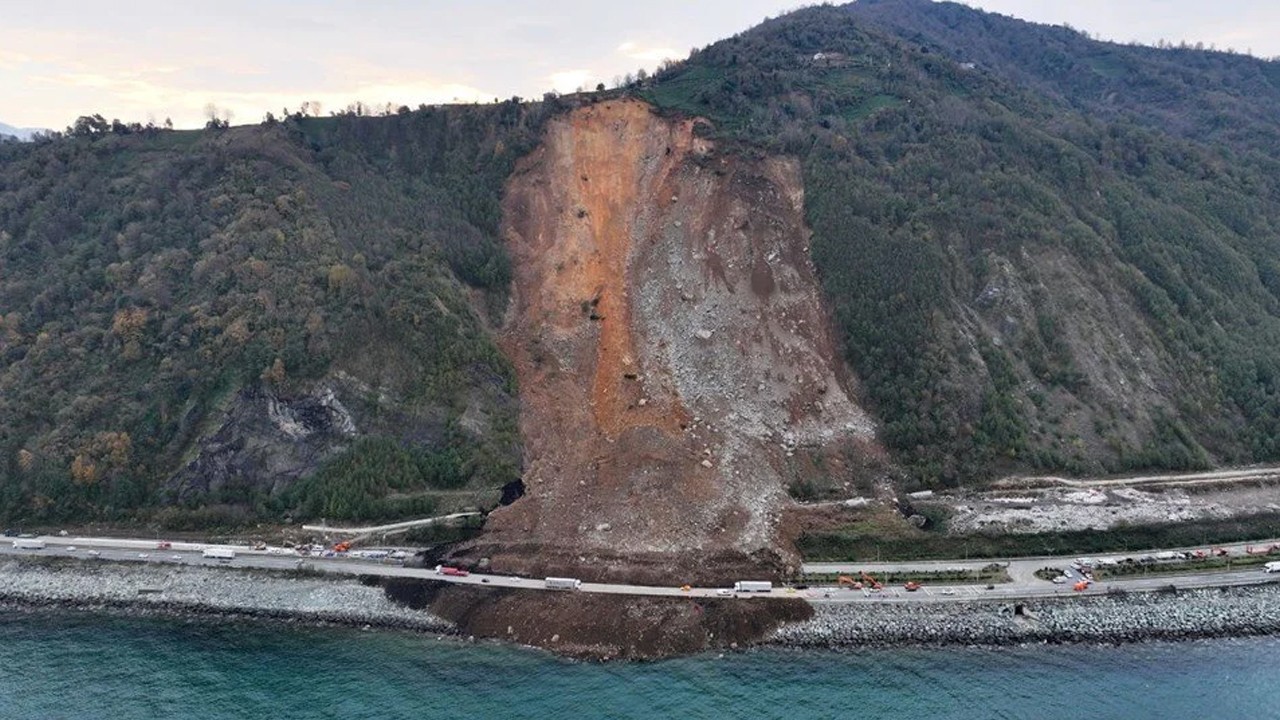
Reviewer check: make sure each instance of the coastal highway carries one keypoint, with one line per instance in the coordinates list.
(1023, 585)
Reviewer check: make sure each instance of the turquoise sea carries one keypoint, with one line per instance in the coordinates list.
(74, 665)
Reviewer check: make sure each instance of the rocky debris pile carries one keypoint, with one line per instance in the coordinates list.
(1182, 615)
(172, 590)
(1059, 509)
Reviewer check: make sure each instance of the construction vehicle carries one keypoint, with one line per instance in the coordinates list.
(1081, 586)
(343, 546)
(871, 582)
(912, 586)
(846, 581)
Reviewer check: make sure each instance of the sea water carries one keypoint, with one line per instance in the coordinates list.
(77, 665)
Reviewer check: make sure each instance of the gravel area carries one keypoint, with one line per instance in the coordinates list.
(166, 589)
(1240, 611)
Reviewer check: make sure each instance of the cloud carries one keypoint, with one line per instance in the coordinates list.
(10, 60)
(569, 80)
(647, 53)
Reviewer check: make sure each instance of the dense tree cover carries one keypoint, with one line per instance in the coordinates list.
(1022, 282)
(1041, 251)
(146, 276)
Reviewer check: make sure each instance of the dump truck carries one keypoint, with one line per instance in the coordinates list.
(561, 583)
(220, 554)
(747, 586)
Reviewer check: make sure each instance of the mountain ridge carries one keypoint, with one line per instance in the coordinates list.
(1017, 279)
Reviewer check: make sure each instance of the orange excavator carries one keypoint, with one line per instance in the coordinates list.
(867, 581)
(1081, 586)
(343, 546)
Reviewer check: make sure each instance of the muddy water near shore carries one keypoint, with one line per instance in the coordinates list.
(77, 665)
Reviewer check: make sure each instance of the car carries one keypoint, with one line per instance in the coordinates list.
(93, 553)
(724, 592)
(144, 556)
(484, 580)
(1060, 580)
(685, 588)
(948, 591)
(175, 557)
(991, 587)
(71, 548)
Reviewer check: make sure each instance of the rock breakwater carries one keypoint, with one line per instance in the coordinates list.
(1180, 615)
(186, 590)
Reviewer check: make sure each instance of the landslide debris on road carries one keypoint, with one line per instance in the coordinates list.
(676, 367)
(601, 627)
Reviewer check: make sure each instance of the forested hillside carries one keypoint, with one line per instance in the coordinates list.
(205, 317)
(1023, 281)
(1040, 252)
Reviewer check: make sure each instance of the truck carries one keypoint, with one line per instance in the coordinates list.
(560, 583)
(451, 571)
(747, 586)
(220, 554)
(28, 544)
(1271, 567)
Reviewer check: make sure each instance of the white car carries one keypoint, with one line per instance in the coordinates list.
(93, 553)
(175, 557)
(1060, 580)
(948, 591)
(71, 548)
(144, 556)
(724, 591)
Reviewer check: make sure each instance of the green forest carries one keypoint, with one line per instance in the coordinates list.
(985, 228)
(1042, 253)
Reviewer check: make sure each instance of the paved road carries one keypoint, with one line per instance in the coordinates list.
(1267, 472)
(181, 553)
(390, 529)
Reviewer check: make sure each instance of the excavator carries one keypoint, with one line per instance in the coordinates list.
(867, 581)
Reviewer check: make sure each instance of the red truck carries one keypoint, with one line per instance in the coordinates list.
(451, 571)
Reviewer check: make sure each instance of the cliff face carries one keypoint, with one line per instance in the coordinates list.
(673, 354)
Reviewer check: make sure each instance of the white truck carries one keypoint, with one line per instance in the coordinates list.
(220, 554)
(1272, 567)
(28, 544)
(561, 583)
(747, 586)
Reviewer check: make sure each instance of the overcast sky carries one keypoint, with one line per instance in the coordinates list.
(151, 59)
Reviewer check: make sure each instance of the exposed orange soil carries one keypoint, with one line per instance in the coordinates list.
(675, 364)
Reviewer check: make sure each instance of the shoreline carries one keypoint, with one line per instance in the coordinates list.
(1113, 619)
(204, 593)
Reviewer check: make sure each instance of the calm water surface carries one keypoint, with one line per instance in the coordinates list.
(89, 666)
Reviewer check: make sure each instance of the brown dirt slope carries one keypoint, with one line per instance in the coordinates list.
(676, 367)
